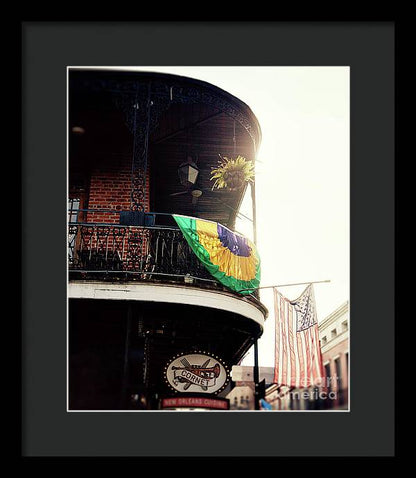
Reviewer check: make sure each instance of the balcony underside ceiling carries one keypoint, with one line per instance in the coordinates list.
(204, 142)
(170, 294)
(176, 326)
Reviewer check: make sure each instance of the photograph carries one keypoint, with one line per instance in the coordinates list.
(208, 238)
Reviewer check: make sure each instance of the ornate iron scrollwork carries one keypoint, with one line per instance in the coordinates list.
(148, 253)
(193, 94)
(142, 111)
(137, 110)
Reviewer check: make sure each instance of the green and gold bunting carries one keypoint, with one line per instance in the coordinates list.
(230, 258)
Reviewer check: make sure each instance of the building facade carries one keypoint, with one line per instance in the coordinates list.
(242, 395)
(334, 337)
(149, 319)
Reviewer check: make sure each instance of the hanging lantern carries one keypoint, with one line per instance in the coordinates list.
(188, 173)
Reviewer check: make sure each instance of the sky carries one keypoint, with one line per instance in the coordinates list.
(302, 180)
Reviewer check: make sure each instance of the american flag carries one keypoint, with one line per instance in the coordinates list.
(298, 358)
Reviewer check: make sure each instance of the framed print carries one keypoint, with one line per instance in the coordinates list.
(214, 214)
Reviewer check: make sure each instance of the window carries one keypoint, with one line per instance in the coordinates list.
(294, 403)
(328, 377)
(73, 206)
(345, 325)
(338, 371)
(346, 363)
(324, 340)
(333, 333)
(339, 381)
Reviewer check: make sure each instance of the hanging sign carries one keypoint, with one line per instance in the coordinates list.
(197, 372)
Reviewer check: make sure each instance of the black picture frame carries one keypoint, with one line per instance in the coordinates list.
(368, 48)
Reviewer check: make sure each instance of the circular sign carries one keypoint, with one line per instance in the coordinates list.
(197, 372)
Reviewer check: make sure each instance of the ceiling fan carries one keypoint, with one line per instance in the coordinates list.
(194, 192)
(188, 173)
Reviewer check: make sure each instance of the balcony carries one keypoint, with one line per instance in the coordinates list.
(137, 130)
(145, 286)
(148, 253)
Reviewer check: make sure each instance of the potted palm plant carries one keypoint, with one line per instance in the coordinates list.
(232, 173)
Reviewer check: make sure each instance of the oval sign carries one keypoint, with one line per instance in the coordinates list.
(197, 372)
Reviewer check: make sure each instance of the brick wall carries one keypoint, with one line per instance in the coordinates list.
(110, 188)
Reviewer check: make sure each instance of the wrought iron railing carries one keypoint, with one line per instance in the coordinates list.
(142, 252)
(155, 250)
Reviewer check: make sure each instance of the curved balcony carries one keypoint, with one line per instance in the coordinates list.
(148, 253)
